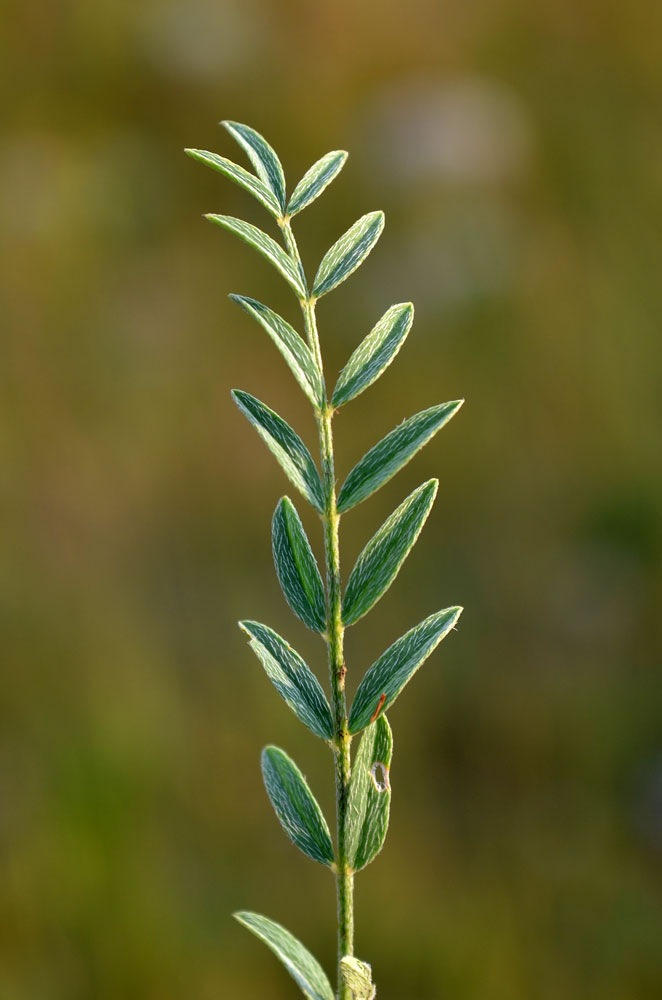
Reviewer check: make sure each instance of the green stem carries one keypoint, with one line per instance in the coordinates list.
(334, 638)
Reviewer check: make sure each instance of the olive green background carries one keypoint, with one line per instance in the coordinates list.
(516, 150)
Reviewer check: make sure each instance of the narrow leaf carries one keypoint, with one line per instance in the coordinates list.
(248, 181)
(263, 158)
(392, 452)
(296, 566)
(388, 675)
(304, 969)
(295, 351)
(315, 180)
(265, 245)
(296, 808)
(348, 253)
(357, 977)
(292, 678)
(285, 444)
(369, 795)
(380, 562)
(374, 354)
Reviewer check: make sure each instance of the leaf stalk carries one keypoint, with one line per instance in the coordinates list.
(334, 633)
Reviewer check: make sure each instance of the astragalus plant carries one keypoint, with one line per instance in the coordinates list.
(363, 789)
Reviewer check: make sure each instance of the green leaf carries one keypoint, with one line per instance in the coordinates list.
(369, 795)
(285, 444)
(248, 181)
(388, 675)
(296, 566)
(295, 351)
(263, 158)
(315, 180)
(380, 562)
(357, 977)
(292, 678)
(295, 806)
(348, 253)
(265, 245)
(304, 969)
(392, 452)
(374, 354)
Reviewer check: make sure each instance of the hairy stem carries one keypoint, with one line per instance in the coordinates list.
(334, 638)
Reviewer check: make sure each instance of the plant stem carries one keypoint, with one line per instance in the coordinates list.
(334, 637)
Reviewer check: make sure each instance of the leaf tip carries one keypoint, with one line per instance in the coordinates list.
(268, 752)
(455, 613)
(243, 917)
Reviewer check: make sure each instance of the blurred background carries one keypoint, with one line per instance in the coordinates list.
(516, 149)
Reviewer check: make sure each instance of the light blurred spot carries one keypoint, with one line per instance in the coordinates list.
(205, 40)
(52, 189)
(452, 254)
(35, 170)
(464, 130)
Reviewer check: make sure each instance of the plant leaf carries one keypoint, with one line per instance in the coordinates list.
(296, 566)
(292, 678)
(295, 351)
(388, 675)
(315, 180)
(242, 177)
(374, 354)
(357, 977)
(264, 245)
(348, 253)
(369, 795)
(263, 158)
(285, 444)
(381, 559)
(392, 452)
(304, 969)
(296, 808)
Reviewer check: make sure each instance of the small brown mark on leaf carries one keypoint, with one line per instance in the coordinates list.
(380, 705)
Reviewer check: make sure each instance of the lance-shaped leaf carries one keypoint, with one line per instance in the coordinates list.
(292, 678)
(242, 177)
(265, 245)
(315, 180)
(348, 253)
(295, 351)
(263, 158)
(369, 801)
(379, 563)
(295, 806)
(285, 444)
(296, 566)
(374, 354)
(357, 977)
(388, 675)
(392, 452)
(304, 969)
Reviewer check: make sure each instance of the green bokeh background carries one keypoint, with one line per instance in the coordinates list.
(516, 150)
